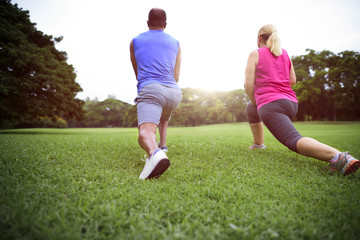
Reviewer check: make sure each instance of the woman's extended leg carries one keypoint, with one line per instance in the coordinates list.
(312, 148)
(341, 162)
(276, 117)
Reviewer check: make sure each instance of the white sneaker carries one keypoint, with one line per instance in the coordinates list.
(255, 146)
(156, 165)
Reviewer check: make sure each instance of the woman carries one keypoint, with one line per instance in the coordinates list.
(268, 79)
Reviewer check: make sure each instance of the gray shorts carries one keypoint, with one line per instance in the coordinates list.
(156, 102)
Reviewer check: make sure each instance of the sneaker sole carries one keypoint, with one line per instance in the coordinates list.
(353, 167)
(160, 168)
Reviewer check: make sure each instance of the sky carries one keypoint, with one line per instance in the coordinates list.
(216, 36)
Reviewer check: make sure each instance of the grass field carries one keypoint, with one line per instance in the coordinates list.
(83, 184)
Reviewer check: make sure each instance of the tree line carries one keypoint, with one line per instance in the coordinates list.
(197, 107)
(38, 87)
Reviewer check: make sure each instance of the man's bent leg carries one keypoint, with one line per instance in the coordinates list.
(157, 162)
(147, 137)
(163, 132)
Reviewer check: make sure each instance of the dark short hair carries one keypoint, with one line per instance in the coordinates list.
(157, 17)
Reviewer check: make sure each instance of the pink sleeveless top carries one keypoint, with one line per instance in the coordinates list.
(272, 81)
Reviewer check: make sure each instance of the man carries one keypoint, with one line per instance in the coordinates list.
(156, 58)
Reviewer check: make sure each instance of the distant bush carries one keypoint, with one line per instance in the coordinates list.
(42, 122)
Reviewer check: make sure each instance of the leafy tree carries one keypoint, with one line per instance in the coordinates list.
(108, 113)
(344, 80)
(310, 87)
(193, 108)
(130, 117)
(236, 102)
(35, 80)
(328, 85)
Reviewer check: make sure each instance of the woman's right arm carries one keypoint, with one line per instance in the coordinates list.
(250, 75)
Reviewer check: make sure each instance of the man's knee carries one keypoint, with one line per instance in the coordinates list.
(147, 131)
(147, 127)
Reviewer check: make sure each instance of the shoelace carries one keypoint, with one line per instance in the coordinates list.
(145, 158)
(330, 169)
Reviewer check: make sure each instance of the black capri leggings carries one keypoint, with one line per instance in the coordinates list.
(277, 117)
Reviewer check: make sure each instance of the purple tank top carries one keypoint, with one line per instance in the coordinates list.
(272, 78)
(155, 53)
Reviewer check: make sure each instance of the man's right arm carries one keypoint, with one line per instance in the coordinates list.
(177, 66)
(132, 58)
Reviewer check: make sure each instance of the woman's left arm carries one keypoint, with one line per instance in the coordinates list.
(292, 76)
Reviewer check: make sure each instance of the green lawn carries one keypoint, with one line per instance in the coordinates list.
(83, 184)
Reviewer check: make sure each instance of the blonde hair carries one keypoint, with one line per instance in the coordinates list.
(270, 36)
